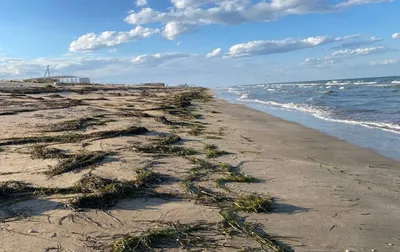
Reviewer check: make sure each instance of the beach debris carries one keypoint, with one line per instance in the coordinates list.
(146, 178)
(167, 140)
(253, 203)
(266, 242)
(196, 130)
(44, 152)
(163, 120)
(72, 137)
(212, 151)
(174, 235)
(77, 162)
(77, 124)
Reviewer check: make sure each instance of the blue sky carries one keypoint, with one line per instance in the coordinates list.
(203, 42)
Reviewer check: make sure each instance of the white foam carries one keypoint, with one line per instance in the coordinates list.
(396, 82)
(341, 88)
(394, 128)
(324, 115)
(245, 96)
(364, 82)
(336, 83)
(291, 105)
(234, 91)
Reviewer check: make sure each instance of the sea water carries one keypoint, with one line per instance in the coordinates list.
(365, 112)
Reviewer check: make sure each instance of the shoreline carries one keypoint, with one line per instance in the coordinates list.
(334, 195)
(186, 156)
(381, 141)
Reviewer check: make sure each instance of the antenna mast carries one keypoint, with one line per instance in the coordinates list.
(47, 73)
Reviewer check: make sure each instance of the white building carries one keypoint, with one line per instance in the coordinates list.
(71, 79)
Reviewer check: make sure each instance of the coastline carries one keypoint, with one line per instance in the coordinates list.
(328, 195)
(332, 195)
(382, 140)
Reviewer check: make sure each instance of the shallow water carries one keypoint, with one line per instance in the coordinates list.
(365, 112)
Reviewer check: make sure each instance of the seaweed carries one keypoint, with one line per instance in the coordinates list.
(72, 137)
(146, 178)
(253, 203)
(266, 242)
(167, 149)
(175, 235)
(234, 177)
(77, 162)
(77, 124)
(212, 151)
(44, 152)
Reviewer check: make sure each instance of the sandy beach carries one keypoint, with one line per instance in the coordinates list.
(136, 168)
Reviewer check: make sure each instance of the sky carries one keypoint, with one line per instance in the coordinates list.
(210, 43)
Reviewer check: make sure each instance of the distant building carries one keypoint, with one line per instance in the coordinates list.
(61, 79)
(154, 84)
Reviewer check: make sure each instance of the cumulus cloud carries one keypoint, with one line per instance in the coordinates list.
(158, 59)
(396, 35)
(266, 47)
(141, 2)
(384, 62)
(195, 13)
(217, 52)
(174, 29)
(91, 41)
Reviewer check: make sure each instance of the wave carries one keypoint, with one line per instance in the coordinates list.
(364, 82)
(391, 127)
(325, 115)
(336, 83)
(395, 82)
(291, 105)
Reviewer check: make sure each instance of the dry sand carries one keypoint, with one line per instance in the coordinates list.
(329, 195)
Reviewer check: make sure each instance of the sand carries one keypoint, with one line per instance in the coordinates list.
(328, 195)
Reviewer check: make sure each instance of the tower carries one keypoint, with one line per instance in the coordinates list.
(47, 73)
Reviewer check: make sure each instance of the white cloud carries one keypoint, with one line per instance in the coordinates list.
(182, 4)
(319, 62)
(174, 29)
(384, 62)
(91, 41)
(396, 35)
(217, 52)
(141, 2)
(159, 58)
(266, 47)
(359, 2)
(194, 13)
(359, 43)
(360, 51)
(345, 54)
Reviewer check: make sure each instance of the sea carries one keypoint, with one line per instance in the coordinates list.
(364, 112)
